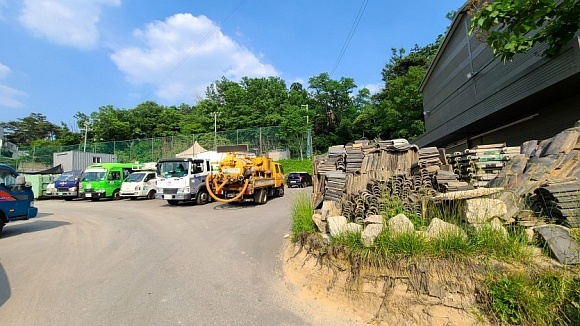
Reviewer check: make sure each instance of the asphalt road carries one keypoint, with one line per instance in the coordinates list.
(143, 262)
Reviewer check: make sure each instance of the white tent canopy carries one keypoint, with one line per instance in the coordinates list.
(194, 150)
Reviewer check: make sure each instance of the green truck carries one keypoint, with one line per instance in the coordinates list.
(103, 180)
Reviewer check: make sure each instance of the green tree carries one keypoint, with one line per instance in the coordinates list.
(110, 124)
(28, 129)
(514, 26)
(333, 110)
(294, 128)
(401, 112)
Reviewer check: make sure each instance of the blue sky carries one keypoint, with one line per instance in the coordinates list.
(59, 57)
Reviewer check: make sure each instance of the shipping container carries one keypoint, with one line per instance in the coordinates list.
(76, 160)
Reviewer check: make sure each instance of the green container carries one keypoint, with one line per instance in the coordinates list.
(39, 183)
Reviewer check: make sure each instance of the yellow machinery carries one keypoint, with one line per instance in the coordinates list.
(243, 178)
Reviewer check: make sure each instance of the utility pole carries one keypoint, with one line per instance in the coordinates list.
(215, 115)
(86, 129)
(309, 136)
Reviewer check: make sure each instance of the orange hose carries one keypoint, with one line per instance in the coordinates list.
(213, 195)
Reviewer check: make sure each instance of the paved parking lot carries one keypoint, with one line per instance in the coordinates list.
(143, 262)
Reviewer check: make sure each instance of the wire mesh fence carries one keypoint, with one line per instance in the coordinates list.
(259, 141)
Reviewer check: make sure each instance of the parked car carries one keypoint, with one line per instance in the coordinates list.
(299, 179)
(65, 186)
(140, 184)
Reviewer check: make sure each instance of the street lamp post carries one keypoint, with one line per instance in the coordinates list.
(215, 115)
(85, 129)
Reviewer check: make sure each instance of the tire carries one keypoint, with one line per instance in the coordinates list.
(116, 194)
(173, 202)
(151, 194)
(264, 196)
(68, 198)
(1, 226)
(281, 191)
(202, 197)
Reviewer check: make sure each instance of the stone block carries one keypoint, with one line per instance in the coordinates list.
(336, 224)
(374, 219)
(400, 224)
(320, 223)
(438, 228)
(482, 210)
(370, 233)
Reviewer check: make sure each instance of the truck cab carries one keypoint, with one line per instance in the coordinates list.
(65, 186)
(183, 179)
(141, 183)
(16, 197)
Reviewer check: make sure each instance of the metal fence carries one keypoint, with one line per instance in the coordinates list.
(259, 140)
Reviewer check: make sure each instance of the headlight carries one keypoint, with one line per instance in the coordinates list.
(50, 186)
(160, 190)
(185, 190)
(72, 189)
(101, 190)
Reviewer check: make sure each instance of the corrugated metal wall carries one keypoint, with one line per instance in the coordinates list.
(542, 126)
(452, 100)
(75, 160)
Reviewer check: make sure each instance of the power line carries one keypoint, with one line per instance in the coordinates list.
(350, 35)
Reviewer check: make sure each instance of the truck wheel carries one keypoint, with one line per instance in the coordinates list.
(173, 202)
(264, 196)
(281, 191)
(151, 194)
(116, 195)
(202, 197)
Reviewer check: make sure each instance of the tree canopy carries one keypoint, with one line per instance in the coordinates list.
(513, 26)
(334, 110)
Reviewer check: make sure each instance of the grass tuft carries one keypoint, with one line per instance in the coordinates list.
(302, 223)
(548, 298)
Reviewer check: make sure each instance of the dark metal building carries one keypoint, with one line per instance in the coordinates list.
(470, 98)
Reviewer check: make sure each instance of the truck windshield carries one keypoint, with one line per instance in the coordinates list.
(67, 176)
(135, 177)
(173, 169)
(94, 175)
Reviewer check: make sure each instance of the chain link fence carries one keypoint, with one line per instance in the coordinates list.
(259, 141)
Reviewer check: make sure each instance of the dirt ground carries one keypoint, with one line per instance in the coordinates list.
(373, 302)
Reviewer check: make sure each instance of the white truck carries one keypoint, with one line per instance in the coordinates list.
(142, 183)
(183, 179)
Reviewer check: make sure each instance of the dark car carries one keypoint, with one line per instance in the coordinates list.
(299, 179)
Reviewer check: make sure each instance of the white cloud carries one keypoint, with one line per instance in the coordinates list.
(66, 22)
(374, 88)
(4, 71)
(182, 55)
(9, 97)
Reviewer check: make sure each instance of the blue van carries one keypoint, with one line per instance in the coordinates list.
(66, 185)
